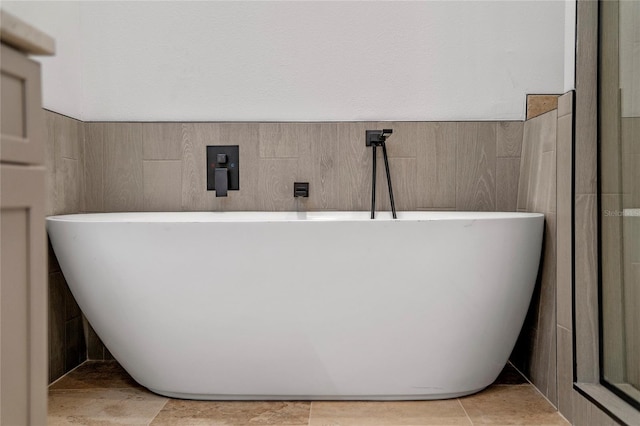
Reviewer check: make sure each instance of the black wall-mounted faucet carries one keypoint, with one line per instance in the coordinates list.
(223, 169)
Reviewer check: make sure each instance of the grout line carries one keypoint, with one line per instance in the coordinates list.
(534, 387)
(545, 398)
(495, 178)
(103, 161)
(404, 157)
(67, 373)
(99, 388)
(509, 384)
(520, 372)
(310, 408)
(465, 411)
(159, 411)
(83, 189)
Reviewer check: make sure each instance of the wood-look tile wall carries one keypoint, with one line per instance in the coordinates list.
(544, 351)
(64, 153)
(161, 166)
(535, 352)
(564, 206)
(64, 150)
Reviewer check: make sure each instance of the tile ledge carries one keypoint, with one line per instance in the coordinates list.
(540, 104)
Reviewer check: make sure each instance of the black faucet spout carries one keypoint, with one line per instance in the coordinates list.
(222, 181)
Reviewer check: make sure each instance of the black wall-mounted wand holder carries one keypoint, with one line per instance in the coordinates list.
(301, 189)
(376, 138)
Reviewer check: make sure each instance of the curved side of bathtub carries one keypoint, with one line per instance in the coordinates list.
(325, 309)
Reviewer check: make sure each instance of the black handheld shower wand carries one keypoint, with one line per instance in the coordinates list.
(377, 138)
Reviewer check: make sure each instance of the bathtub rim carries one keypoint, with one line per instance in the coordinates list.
(285, 216)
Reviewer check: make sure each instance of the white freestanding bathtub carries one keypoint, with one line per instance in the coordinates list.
(330, 305)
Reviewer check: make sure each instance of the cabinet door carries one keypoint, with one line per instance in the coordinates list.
(23, 295)
(21, 112)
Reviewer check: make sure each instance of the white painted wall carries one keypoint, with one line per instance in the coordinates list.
(61, 74)
(313, 60)
(569, 45)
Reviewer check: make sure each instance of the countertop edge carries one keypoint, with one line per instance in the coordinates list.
(25, 37)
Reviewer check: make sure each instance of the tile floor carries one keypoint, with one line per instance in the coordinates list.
(102, 393)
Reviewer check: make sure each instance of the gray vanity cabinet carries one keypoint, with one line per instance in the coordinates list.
(23, 278)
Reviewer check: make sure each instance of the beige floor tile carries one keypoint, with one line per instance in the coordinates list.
(511, 405)
(343, 413)
(181, 412)
(102, 393)
(96, 375)
(103, 407)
